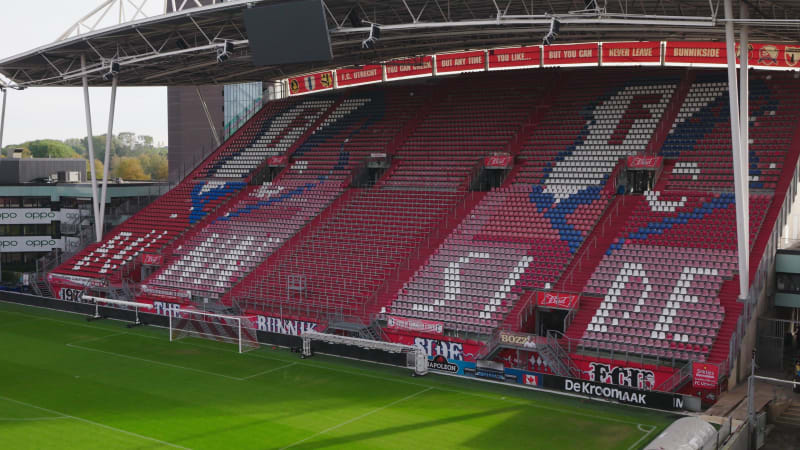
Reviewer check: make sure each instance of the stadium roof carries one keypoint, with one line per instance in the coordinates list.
(180, 48)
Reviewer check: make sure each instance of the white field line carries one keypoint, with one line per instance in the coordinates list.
(121, 333)
(91, 422)
(99, 338)
(395, 380)
(355, 419)
(646, 432)
(136, 358)
(20, 321)
(274, 369)
(31, 419)
(50, 319)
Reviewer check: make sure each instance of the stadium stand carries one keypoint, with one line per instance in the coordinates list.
(150, 230)
(664, 278)
(319, 240)
(700, 137)
(524, 235)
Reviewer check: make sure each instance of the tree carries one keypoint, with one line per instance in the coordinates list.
(99, 143)
(98, 169)
(79, 146)
(146, 141)
(128, 168)
(155, 165)
(161, 170)
(48, 148)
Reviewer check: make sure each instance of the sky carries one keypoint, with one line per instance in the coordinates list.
(57, 112)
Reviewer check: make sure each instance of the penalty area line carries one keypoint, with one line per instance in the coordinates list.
(357, 418)
(160, 363)
(91, 422)
(99, 338)
(646, 432)
(31, 419)
(274, 369)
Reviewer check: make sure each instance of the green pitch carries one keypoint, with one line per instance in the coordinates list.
(66, 383)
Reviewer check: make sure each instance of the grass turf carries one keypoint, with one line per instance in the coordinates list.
(67, 383)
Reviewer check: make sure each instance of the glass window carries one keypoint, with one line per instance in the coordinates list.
(10, 202)
(788, 282)
(36, 202)
(241, 101)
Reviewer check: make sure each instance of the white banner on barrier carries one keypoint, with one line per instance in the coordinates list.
(32, 216)
(14, 244)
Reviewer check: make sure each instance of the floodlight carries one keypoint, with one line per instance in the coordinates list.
(113, 70)
(374, 35)
(224, 52)
(552, 35)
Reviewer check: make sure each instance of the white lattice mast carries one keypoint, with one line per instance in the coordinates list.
(116, 12)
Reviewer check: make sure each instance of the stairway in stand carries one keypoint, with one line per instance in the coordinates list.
(590, 254)
(513, 319)
(661, 133)
(666, 171)
(588, 307)
(728, 298)
(790, 417)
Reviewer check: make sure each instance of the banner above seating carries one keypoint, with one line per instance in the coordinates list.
(556, 300)
(515, 58)
(362, 75)
(695, 53)
(571, 55)
(461, 62)
(653, 53)
(400, 69)
(645, 162)
(502, 161)
(149, 259)
(278, 161)
(772, 55)
(763, 56)
(311, 83)
(631, 53)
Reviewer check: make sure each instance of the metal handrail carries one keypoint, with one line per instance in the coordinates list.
(676, 379)
(562, 356)
(593, 242)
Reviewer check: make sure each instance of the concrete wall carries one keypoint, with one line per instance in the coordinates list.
(16, 171)
(190, 137)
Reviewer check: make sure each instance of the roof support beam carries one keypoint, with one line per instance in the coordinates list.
(109, 135)
(741, 189)
(51, 64)
(333, 16)
(744, 128)
(146, 41)
(3, 116)
(98, 230)
(200, 29)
